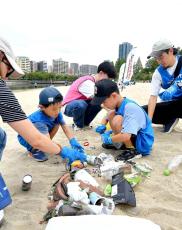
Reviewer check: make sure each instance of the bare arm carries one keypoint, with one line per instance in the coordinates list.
(67, 131)
(37, 140)
(151, 106)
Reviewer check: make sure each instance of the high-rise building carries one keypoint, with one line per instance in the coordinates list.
(88, 69)
(74, 69)
(42, 66)
(24, 63)
(60, 66)
(124, 50)
(33, 66)
(50, 69)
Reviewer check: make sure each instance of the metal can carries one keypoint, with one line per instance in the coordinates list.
(27, 182)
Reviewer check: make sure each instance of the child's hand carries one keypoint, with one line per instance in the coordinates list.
(75, 145)
(106, 139)
(100, 129)
(72, 155)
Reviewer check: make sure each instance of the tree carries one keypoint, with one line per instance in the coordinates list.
(137, 66)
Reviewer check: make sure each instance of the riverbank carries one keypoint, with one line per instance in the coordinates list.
(31, 84)
(159, 198)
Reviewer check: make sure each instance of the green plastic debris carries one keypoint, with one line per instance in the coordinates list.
(108, 190)
(133, 179)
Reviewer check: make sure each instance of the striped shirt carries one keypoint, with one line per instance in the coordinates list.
(10, 109)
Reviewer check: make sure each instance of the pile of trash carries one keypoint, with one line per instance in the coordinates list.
(77, 192)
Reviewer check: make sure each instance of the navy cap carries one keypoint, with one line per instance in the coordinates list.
(103, 89)
(49, 95)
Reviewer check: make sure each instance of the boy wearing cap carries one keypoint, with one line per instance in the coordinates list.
(168, 77)
(78, 98)
(47, 120)
(129, 122)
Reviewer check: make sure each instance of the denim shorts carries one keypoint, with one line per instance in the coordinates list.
(42, 129)
(3, 139)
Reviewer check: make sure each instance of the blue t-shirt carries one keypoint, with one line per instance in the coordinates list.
(43, 123)
(134, 119)
(50, 122)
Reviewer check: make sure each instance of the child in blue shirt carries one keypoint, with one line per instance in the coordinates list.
(47, 120)
(129, 122)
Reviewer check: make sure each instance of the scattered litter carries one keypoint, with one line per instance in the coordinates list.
(122, 192)
(83, 175)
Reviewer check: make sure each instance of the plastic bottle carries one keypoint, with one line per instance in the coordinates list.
(112, 168)
(173, 165)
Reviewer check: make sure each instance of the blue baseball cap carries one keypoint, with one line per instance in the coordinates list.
(49, 95)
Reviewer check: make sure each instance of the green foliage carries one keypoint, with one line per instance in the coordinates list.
(145, 74)
(180, 52)
(44, 76)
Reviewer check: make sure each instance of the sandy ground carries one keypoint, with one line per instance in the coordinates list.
(158, 199)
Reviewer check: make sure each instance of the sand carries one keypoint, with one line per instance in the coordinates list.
(159, 198)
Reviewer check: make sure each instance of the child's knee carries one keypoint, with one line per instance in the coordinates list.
(117, 123)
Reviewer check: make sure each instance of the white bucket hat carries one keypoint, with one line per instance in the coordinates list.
(7, 50)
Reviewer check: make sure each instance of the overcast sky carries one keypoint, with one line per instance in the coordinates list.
(87, 31)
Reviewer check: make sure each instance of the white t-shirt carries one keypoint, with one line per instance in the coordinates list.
(87, 88)
(157, 79)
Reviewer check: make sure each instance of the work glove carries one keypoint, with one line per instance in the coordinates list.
(75, 145)
(72, 155)
(106, 138)
(100, 129)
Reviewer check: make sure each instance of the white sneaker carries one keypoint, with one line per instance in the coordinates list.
(1, 216)
(75, 127)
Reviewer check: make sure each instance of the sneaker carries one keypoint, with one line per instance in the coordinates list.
(38, 155)
(75, 127)
(128, 154)
(170, 125)
(116, 146)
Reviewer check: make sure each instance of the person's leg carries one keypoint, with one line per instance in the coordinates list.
(5, 198)
(115, 122)
(53, 132)
(166, 111)
(35, 153)
(91, 112)
(76, 109)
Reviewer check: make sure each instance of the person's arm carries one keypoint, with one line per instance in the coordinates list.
(155, 88)
(72, 140)
(151, 106)
(37, 140)
(67, 131)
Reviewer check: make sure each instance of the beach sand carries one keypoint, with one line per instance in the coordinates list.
(159, 198)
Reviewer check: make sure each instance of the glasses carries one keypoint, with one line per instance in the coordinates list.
(10, 68)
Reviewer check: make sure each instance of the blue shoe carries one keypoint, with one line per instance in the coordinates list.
(170, 125)
(39, 155)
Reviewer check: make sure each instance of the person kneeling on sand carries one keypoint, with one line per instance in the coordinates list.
(47, 120)
(78, 99)
(130, 124)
